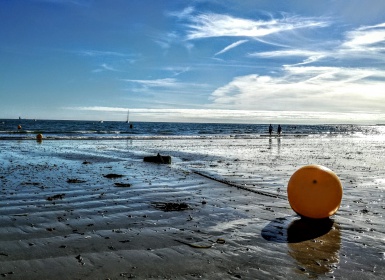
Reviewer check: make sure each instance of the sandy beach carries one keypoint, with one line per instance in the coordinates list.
(94, 210)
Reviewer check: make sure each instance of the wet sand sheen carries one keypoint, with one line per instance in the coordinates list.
(55, 228)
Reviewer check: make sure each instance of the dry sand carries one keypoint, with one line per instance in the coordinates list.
(60, 218)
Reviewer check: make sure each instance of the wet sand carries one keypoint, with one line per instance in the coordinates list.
(61, 217)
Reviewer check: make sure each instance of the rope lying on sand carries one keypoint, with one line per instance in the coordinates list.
(195, 245)
(240, 187)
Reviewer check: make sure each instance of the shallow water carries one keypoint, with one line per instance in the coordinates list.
(62, 129)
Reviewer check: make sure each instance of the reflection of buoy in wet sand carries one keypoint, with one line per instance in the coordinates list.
(39, 137)
(19, 126)
(314, 191)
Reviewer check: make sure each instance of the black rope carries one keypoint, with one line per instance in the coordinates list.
(240, 187)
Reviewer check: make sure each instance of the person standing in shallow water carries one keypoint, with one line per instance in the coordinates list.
(270, 129)
(279, 129)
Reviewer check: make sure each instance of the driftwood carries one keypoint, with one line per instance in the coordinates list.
(158, 159)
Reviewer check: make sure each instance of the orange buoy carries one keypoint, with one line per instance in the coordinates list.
(314, 191)
(39, 137)
(19, 126)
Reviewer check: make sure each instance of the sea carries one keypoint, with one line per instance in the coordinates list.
(28, 129)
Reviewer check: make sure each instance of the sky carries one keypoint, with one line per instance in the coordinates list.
(249, 61)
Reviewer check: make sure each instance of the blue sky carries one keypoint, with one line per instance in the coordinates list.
(249, 61)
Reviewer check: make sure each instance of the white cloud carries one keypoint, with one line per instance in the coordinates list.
(308, 88)
(233, 45)
(218, 25)
(357, 88)
(367, 37)
(233, 116)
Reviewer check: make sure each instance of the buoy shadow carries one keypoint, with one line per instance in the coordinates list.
(313, 244)
(293, 229)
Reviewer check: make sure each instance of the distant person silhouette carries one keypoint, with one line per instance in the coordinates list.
(279, 129)
(270, 129)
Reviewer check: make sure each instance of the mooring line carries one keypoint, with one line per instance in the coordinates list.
(239, 187)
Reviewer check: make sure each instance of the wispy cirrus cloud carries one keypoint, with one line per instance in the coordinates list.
(107, 60)
(176, 71)
(164, 83)
(96, 53)
(186, 12)
(105, 67)
(365, 44)
(218, 25)
(308, 56)
(167, 82)
(286, 53)
(229, 47)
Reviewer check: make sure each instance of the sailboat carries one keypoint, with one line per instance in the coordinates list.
(128, 118)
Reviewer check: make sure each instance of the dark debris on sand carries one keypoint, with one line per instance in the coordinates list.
(112, 176)
(56, 196)
(123, 185)
(171, 206)
(158, 159)
(75, 181)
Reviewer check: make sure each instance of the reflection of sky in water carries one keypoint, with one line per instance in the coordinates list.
(314, 245)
